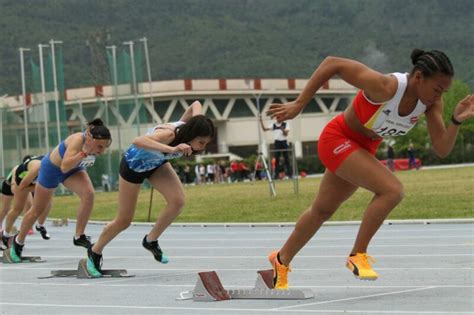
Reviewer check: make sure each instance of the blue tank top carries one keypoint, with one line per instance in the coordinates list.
(88, 161)
(62, 145)
(142, 160)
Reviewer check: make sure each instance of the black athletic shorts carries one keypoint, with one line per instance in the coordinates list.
(134, 177)
(6, 189)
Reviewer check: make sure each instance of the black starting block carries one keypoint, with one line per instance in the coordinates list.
(209, 288)
(7, 259)
(82, 273)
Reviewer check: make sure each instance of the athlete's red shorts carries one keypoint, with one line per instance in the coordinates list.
(338, 141)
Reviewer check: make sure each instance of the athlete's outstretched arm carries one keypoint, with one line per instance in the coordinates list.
(442, 138)
(377, 86)
(193, 110)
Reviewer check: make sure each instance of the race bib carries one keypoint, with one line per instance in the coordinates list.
(88, 161)
(389, 128)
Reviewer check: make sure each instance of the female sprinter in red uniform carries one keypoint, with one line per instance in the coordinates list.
(386, 105)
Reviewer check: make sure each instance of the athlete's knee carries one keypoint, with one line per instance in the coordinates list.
(15, 211)
(322, 213)
(176, 204)
(34, 212)
(122, 223)
(87, 197)
(395, 192)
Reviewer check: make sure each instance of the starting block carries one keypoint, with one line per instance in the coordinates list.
(82, 273)
(7, 259)
(209, 288)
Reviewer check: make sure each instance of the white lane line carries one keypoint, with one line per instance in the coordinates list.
(267, 247)
(276, 230)
(354, 298)
(250, 239)
(221, 310)
(113, 284)
(246, 269)
(194, 257)
(147, 277)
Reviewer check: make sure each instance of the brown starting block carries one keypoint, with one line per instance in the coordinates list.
(209, 288)
(7, 259)
(60, 222)
(82, 273)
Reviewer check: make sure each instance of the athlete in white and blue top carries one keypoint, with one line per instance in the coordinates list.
(147, 159)
(142, 160)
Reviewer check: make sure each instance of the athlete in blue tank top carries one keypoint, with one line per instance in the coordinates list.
(147, 158)
(65, 164)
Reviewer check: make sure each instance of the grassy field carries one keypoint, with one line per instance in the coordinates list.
(436, 193)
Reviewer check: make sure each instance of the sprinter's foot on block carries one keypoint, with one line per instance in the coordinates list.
(15, 250)
(94, 263)
(280, 272)
(83, 240)
(155, 249)
(43, 231)
(360, 266)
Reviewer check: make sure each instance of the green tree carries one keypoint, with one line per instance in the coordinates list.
(464, 147)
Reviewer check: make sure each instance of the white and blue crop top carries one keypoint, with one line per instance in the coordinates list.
(142, 160)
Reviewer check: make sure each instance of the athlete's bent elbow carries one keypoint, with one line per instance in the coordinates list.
(441, 153)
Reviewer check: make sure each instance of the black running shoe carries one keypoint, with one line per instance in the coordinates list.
(43, 232)
(83, 240)
(155, 249)
(94, 263)
(5, 240)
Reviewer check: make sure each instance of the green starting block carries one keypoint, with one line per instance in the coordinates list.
(7, 259)
(82, 273)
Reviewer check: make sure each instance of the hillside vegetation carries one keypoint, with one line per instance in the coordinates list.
(235, 39)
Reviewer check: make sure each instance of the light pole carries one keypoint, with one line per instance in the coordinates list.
(23, 90)
(134, 82)
(43, 95)
(113, 48)
(55, 85)
(1, 135)
(148, 68)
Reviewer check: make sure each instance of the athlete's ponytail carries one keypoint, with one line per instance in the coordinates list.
(98, 130)
(431, 62)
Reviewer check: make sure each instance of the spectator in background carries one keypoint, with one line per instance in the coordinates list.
(202, 173)
(106, 182)
(390, 157)
(223, 171)
(244, 170)
(234, 171)
(197, 175)
(411, 157)
(210, 173)
(187, 174)
(280, 134)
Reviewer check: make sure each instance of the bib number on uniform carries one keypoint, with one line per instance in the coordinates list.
(88, 161)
